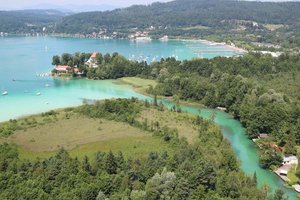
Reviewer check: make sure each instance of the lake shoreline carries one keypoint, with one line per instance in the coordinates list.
(235, 49)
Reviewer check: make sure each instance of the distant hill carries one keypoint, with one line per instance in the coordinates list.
(74, 8)
(28, 20)
(183, 13)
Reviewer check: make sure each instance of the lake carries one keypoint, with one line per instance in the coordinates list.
(23, 57)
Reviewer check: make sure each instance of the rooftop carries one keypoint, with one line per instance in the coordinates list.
(289, 158)
(94, 55)
(62, 67)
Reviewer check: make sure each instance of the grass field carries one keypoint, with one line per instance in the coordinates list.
(84, 136)
(181, 121)
(140, 85)
(292, 176)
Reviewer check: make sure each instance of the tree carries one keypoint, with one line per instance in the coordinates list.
(176, 103)
(182, 189)
(99, 58)
(110, 163)
(137, 195)
(101, 196)
(279, 195)
(86, 165)
(161, 186)
(56, 60)
(66, 58)
(155, 100)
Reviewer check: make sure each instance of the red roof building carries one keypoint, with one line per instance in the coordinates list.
(94, 55)
(62, 67)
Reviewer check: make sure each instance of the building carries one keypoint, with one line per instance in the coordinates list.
(292, 160)
(62, 69)
(78, 72)
(92, 61)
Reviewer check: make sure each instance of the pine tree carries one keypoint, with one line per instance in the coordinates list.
(110, 163)
(86, 165)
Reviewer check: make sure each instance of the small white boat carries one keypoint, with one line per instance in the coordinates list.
(4, 93)
(47, 85)
(164, 38)
(38, 94)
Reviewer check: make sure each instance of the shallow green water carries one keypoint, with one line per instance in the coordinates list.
(21, 58)
(245, 150)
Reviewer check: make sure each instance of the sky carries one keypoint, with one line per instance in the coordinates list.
(25, 4)
(21, 4)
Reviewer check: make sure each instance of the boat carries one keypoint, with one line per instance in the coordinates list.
(47, 85)
(164, 38)
(38, 94)
(4, 93)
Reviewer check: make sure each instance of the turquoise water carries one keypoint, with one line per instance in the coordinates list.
(23, 57)
(245, 150)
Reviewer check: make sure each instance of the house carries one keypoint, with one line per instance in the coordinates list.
(62, 69)
(78, 72)
(92, 61)
(293, 160)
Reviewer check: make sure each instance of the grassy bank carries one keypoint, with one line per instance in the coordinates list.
(44, 134)
(140, 85)
(81, 136)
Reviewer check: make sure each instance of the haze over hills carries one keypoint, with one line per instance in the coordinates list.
(27, 21)
(74, 8)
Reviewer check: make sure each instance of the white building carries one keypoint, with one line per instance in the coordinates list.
(293, 160)
(92, 62)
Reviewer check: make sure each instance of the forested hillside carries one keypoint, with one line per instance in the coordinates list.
(241, 22)
(183, 13)
(26, 21)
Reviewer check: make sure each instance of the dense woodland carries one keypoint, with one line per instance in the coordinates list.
(28, 21)
(240, 84)
(183, 13)
(189, 172)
